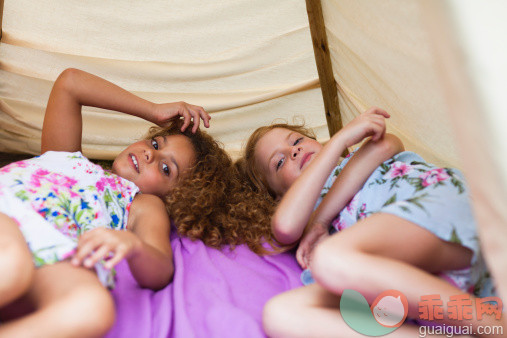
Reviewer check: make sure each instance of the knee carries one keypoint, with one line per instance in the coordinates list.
(275, 316)
(16, 271)
(95, 308)
(336, 261)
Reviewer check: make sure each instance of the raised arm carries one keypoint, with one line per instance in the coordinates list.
(296, 206)
(347, 184)
(354, 175)
(75, 88)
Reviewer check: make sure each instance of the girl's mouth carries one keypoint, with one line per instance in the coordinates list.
(305, 159)
(134, 162)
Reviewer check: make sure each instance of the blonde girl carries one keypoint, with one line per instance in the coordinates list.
(401, 223)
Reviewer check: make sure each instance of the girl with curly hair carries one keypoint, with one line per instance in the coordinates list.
(65, 222)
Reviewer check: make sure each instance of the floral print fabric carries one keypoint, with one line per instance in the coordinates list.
(431, 197)
(59, 195)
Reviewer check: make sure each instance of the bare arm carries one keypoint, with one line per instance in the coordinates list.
(347, 184)
(354, 175)
(75, 88)
(152, 264)
(296, 207)
(145, 245)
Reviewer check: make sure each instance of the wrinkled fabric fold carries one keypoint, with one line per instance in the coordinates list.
(214, 294)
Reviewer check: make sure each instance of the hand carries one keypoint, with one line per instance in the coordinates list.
(315, 233)
(370, 123)
(101, 243)
(163, 113)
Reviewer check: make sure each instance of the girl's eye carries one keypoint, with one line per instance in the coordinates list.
(280, 163)
(298, 140)
(154, 143)
(165, 169)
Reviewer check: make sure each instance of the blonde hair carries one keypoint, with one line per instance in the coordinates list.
(213, 203)
(249, 164)
(255, 183)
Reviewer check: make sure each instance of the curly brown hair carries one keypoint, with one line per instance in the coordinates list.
(213, 203)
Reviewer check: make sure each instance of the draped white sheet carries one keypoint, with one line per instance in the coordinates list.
(381, 55)
(468, 39)
(251, 61)
(439, 67)
(246, 62)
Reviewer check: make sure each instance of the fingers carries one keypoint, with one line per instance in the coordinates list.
(204, 115)
(376, 117)
(199, 113)
(378, 127)
(310, 240)
(86, 245)
(187, 117)
(371, 123)
(195, 114)
(378, 111)
(305, 248)
(97, 245)
(102, 252)
(119, 254)
(301, 255)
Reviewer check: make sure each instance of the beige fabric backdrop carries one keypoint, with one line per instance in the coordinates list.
(439, 67)
(247, 62)
(468, 37)
(381, 55)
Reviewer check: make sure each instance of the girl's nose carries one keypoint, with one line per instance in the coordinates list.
(295, 151)
(148, 154)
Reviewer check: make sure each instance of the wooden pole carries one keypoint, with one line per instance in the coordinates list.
(1, 16)
(324, 67)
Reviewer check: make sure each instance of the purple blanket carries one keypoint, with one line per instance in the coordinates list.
(213, 294)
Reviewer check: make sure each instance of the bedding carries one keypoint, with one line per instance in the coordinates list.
(214, 293)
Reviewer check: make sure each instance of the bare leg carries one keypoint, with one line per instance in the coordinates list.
(68, 301)
(385, 252)
(16, 266)
(312, 311)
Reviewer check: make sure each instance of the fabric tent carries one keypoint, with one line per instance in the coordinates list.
(238, 67)
(437, 66)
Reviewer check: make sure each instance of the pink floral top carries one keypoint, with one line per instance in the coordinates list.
(65, 192)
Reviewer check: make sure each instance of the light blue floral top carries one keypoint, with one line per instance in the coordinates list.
(434, 198)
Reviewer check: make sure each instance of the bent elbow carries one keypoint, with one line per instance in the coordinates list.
(391, 145)
(67, 79)
(158, 283)
(283, 231)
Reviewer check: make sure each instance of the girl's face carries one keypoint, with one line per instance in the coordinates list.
(281, 155)
(156, 165)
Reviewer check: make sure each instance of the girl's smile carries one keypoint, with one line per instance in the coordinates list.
(281, 155)
(306, 158)
(134, 162)
(156, 165)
